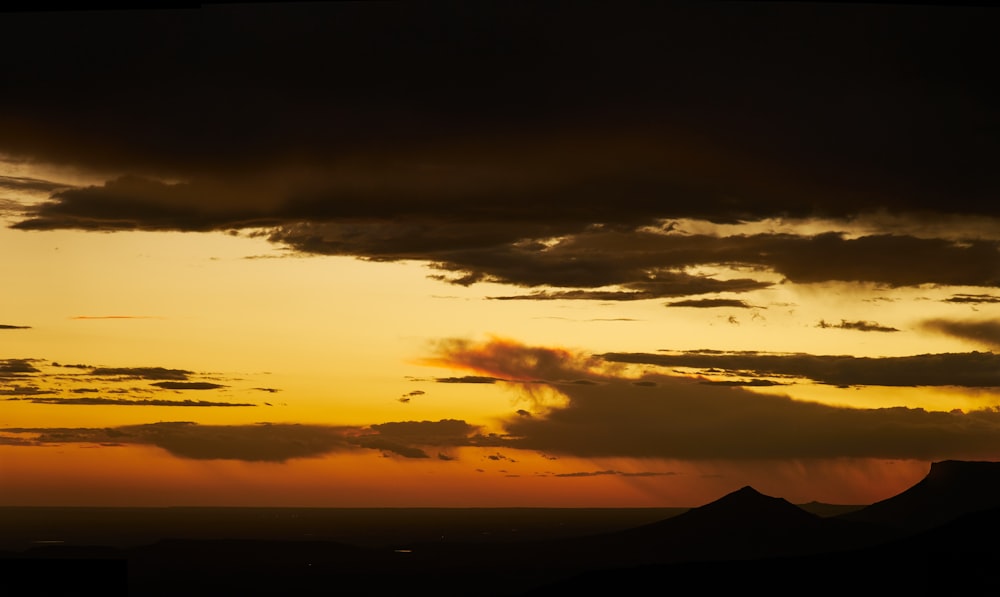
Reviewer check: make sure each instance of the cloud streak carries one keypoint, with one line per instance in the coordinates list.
(710, 303)
(187, 385)
(88, 317)
(611, 472)
(861, 326)
(151, 373)
(17, 368)
(979, 332)
(262, 442)
(973, 369)
(128, 402)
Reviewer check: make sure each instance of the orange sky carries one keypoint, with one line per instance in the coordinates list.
(547, 258)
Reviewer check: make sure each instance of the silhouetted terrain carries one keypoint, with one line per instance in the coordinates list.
(936, 538)
(950, 489)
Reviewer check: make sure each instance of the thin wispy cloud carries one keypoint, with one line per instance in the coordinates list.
(263, 442)
(86, 317)
(187, 385)
(468, 379)
(975, 299)
(29, 184)
(711, 303)
(609, 472)
(861, 326)
(129, 402)
(972, 369)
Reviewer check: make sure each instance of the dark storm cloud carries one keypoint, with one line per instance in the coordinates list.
(887, 259)
(982, 332)
(682, 418)
(133, 203)
(187, 385)
(649, 264)
(972, 369)
(4, 326)
(466, 135)
(861, 326)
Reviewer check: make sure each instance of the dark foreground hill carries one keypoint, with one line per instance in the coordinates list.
(958, 559)
(951, 488)
(743, 541)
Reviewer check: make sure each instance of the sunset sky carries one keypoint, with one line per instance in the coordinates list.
(496, 254)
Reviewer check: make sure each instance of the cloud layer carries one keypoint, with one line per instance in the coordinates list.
(428, 145)
(263, 442)
(980, 332)
(972, 369)
(666, 416)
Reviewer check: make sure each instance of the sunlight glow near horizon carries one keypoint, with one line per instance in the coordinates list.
(82, 475)
(341, 339)
(344, 341)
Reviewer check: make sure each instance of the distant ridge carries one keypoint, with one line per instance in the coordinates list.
(744, 542)
(956, 558)
(950, 489)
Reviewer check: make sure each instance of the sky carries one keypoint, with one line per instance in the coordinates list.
(496, 254)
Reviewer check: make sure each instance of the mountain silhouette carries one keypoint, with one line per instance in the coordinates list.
(747, 524)
(955, 558)
(958, 559)
(950, 489)
(744, 541)
(747, 507)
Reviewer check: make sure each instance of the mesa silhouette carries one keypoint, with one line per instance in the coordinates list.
(935, 538)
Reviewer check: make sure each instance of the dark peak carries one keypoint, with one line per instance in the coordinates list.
(748, 502)
(745, 494)
(746, 490)
(962, 475)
